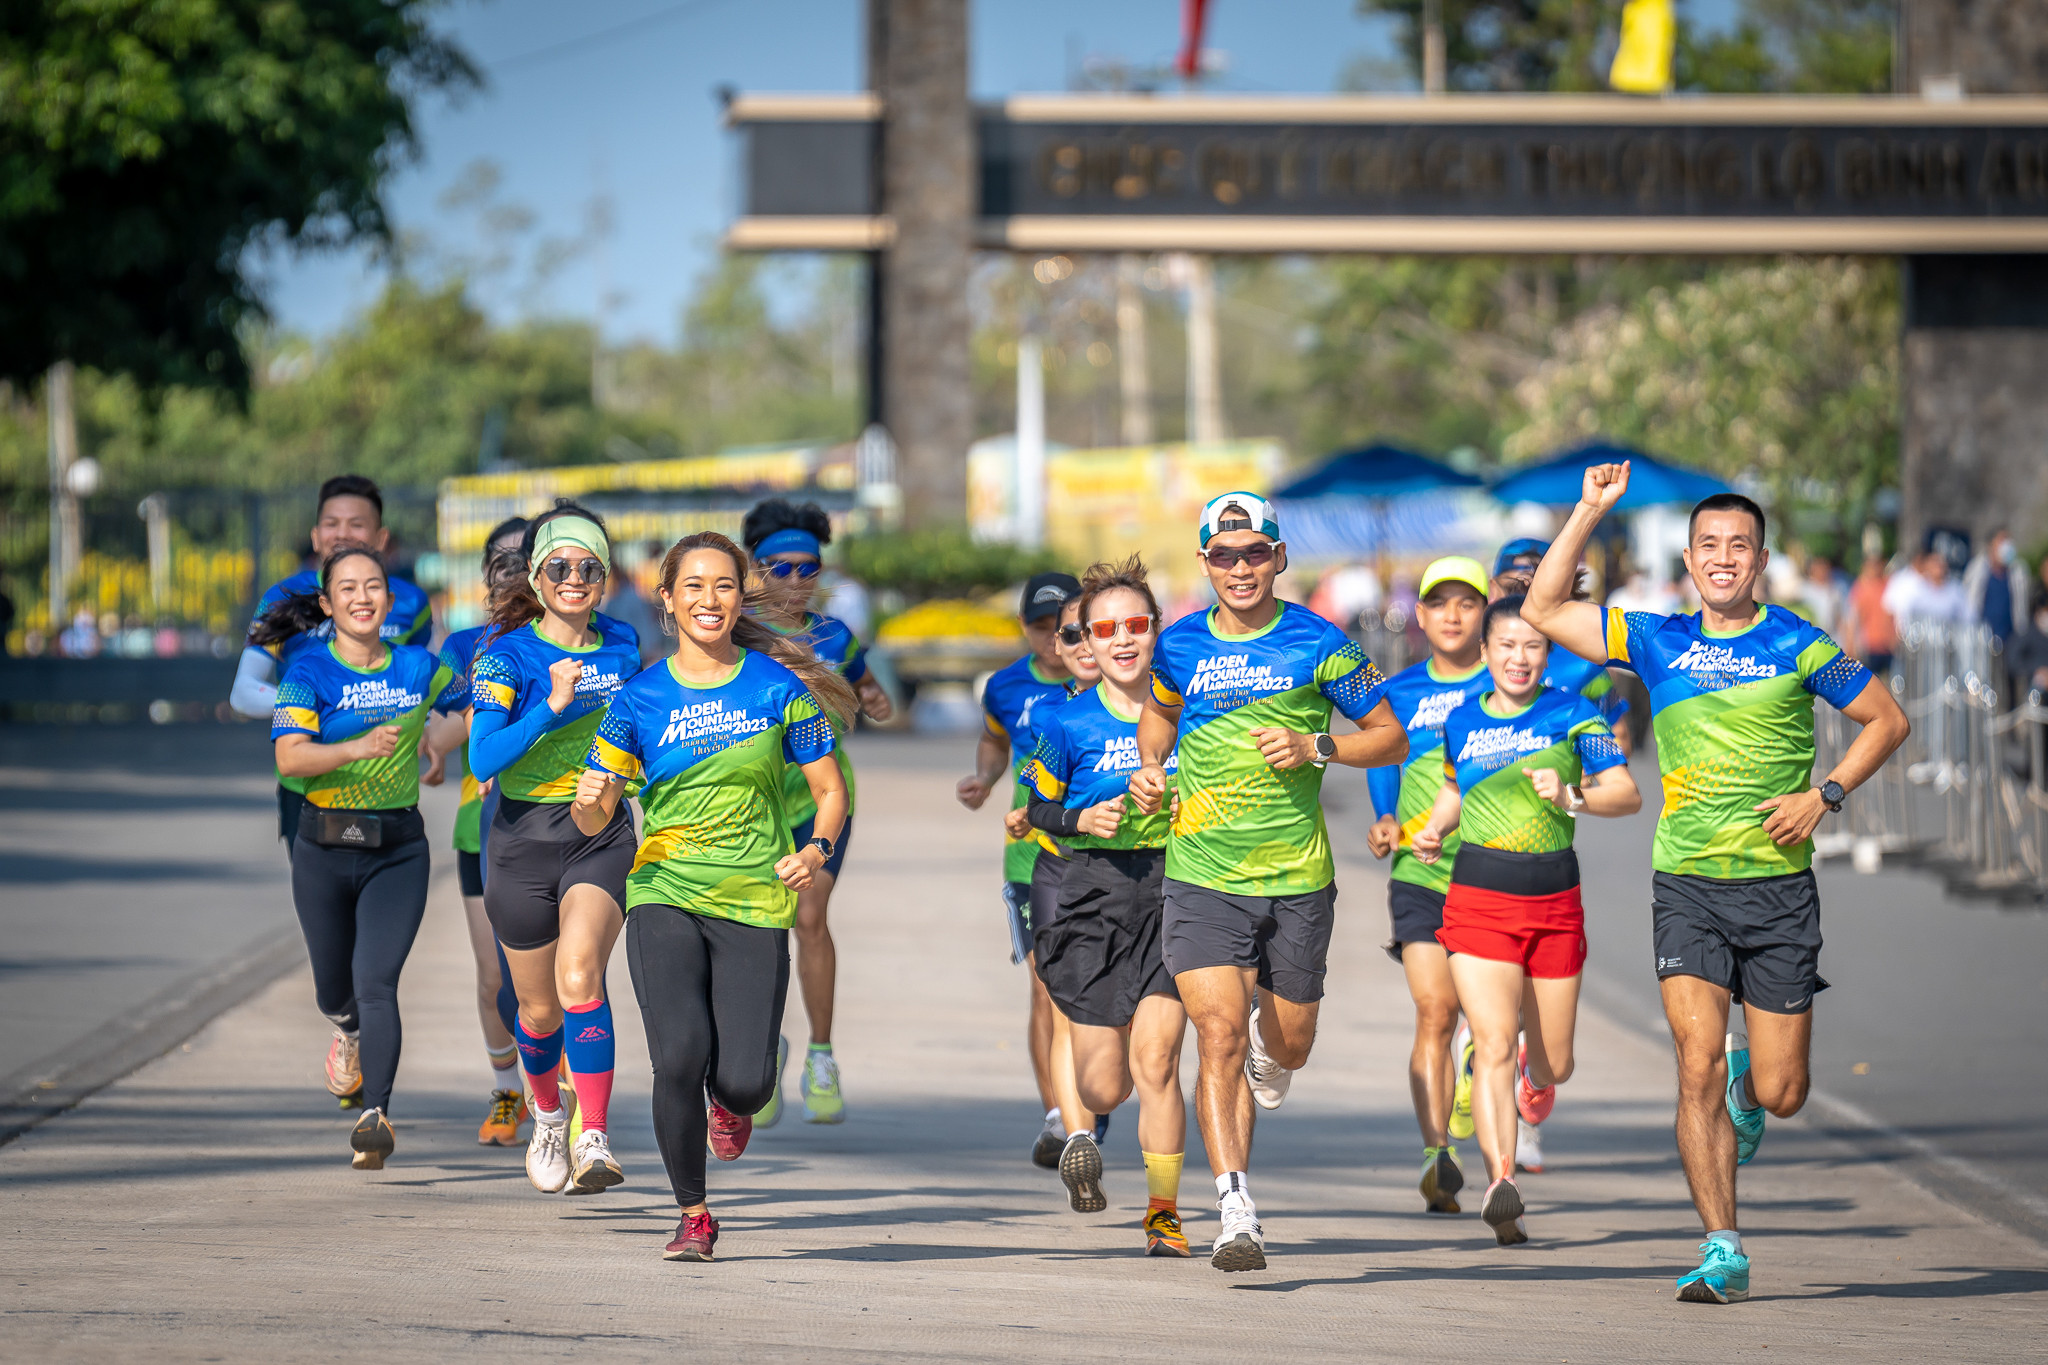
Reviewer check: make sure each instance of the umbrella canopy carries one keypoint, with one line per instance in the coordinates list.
(1558, 480)
(1375, 471)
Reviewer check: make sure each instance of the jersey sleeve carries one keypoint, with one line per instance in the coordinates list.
(422, 628)
(856, 666)
(275, 649)
(1626, 633)
(449, 689)
(615, 748)
(1827, 672)
(298, 707)
(1349, 679)
(493, 682)
(1166, 683)
(1048, 770)
(1595, 745)
(992, 723)
(806, 733)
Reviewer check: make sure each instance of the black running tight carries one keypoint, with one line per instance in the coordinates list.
(360, 910)
(711, 994)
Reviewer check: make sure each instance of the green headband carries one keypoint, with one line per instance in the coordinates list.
(581, 532)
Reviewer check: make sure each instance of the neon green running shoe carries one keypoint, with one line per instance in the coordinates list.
(820, 1086)
(770, 1114)
(1460, 1125)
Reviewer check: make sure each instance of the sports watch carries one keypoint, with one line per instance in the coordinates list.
(1325, 747)
(1574, 799)
(823, 845)
(1832, 795)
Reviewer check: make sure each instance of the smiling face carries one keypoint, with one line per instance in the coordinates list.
(1043, 636)
(1124, 658)
(1516, 655)
(705, 597)
(344, 518)
(1240, 585)
(572, 596)
(1078, 659)
(1449, 618)
(1726, 559)
(357, 597)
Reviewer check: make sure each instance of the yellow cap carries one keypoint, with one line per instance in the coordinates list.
(1453, 569)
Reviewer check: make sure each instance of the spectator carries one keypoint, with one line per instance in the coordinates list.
(82, 639)
(1923, 591)
(2029, 654)
(1876, 636)
(1350, 591)
(1822, 592)
(1996, 584)
(1638, 593)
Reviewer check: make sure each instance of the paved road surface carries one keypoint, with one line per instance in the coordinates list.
(204, 1208)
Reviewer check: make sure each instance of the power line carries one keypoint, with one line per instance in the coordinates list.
(604, 35)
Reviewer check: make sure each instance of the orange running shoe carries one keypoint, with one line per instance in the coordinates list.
(1533, 1103)
(1163, 1234)
(501, 1127)
(344, 1065)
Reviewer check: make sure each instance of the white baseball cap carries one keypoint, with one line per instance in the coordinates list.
(1239, 512)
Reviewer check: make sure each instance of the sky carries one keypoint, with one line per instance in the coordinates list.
(615, 102)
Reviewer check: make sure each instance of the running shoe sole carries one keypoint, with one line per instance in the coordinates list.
(1162, 1246)
(687, 1254)
(1503, 1213)
(1440, 1185)
(1081, 1169)
(1699, 1291)
(371, 1142)
(1242, 1252)
(595, 1178)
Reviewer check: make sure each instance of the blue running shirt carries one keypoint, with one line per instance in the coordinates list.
(1422, 701)
(1012, 703)
(510, 677)
(333, 701)
(1086, 753)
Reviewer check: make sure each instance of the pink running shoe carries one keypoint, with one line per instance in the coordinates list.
(1535, 1105)
(695, 1236)
(728, 1133)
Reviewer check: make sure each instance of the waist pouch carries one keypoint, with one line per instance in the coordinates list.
(360, 828)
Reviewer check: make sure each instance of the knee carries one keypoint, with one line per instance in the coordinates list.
(1223, 1039)
(811, 931)
(540, 1020)
(579, 983)
(1435, 1021)
(745, 1094)
(1562, 1064)
(1492, 1049)
(1701, 1070)
(1784, 1095)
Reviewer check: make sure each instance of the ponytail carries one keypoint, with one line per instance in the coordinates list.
(833, 693)
(297, 613)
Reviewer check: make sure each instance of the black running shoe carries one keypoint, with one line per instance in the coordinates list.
(1081, 1169)
(1052, 1140)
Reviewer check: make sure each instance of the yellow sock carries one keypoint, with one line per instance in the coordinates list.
(1162, 1176)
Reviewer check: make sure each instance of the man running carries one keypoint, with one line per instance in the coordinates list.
(1452, 598)
(1246, 689)
(1737, 913)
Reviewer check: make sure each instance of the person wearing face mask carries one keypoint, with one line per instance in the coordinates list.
(710, 734)
(1995, 582)
(1736, 911)
(348, 726)
(1514, 929)
(555, 893)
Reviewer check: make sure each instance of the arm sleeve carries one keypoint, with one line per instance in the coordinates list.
(496, 741)
(1385, 786)
(1052, 817)
(255, 691)
(615, 749)
(1349, 679)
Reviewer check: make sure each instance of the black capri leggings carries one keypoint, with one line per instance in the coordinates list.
(711, 995)
(360, 910)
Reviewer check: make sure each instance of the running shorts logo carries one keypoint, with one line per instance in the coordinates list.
(1799, 1004)
(1665, 964)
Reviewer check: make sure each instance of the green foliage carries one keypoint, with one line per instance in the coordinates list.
(1510, 44)
(147, 145)
(940, 562)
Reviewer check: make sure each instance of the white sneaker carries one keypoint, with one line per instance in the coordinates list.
(595, 1169)
(547, 1153)
(1528, 1147)
(1269, 1080)
(1241, 1245)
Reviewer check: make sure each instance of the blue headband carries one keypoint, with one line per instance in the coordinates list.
(789, 541)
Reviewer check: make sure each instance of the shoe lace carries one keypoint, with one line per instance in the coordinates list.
(347, 1048)
(824, 1071)
(549, 1136)
(1162, 1220)
(723, 1122)
(504, 1107)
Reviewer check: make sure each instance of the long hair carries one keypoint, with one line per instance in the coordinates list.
(513, 601)
(833, 692)
(296, 613)
(1128, 574)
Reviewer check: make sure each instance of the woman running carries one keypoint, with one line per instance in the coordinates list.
(788, 543)
(1099, 953)
(554, 892)
(710, 734)
(348, 723)
(1514, 758)
(494, 1003)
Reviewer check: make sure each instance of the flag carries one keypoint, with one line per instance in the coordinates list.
(1642, 64)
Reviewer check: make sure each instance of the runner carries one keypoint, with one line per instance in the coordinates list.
(495, 1004)
(1737, 913)
(1452, 597)
(788, 543)
(1513, 568)
(1513, 924)
(1248, 687)
(1009, 701)
(348, 727)
(547, 666)
(714, 889)
(1098, 952)
(348, 511)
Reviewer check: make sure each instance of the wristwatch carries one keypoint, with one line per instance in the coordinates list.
(1832, 795)
(1325, 747)
(823, 845)
(1574, 799)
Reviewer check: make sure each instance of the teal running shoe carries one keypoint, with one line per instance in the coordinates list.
(1723, 1275)
(1749, 1123)
(769, 1114)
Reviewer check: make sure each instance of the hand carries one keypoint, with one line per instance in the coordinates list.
(1148, 788)
(972, 791)
(1384, 836)
(1428, 845)
(1603, 486)
(484, 788)
(1284, 748)
(1100, 820)
(381, 742)
(1548, 784)
(795, 870)
(563, 675)
(590, 788)
(436, 770)
(1793, 818)
(874, 702)
(1016, 823)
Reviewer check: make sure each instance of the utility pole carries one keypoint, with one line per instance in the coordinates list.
(1134, 368)
(1205, 365)
(1432, 47)
(1030, 442)
(65, 549)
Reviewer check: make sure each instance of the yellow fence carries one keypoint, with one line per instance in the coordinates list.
(207, 588)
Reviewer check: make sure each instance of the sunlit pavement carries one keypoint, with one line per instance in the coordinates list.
(204, 1208)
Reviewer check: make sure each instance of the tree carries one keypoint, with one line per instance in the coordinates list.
(147, 145)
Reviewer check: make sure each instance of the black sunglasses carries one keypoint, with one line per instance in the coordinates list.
(589, 572)
(783, 568)
(1074, 634)
(1258, 556)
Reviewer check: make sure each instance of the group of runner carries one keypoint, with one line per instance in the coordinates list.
(1167, 860)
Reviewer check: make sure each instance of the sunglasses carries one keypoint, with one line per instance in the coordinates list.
(1133, 625)
(588, 572)
(783, 568)
(1258, 556)
(1073, 635)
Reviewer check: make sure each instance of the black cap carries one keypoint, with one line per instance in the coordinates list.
(1046, 593)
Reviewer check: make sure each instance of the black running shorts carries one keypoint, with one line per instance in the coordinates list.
(469, 870)
(1286, 938)
(536, 854)
(1100, 956)
(1046, 875)
(1417, 913)
(1759, 937)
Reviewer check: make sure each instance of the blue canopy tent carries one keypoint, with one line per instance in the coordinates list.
(1558, 480)
(1371, 500)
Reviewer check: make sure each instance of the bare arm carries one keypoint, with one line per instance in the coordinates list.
(1380, 740)
(1612, 792)
(1580, 627)
(991, 761)
(828, 789)
(305, 756)
(444, 735)
(597, 800)
(1444, 815)
(1158, 729)
(874, 701)
(1794, 817)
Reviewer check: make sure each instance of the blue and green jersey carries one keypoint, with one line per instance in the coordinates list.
(510, 676)
(1487, 746)
(1086, 752)
(1422, 699)
(332, 701)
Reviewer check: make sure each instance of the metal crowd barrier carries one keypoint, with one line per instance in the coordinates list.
(1967, 795)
